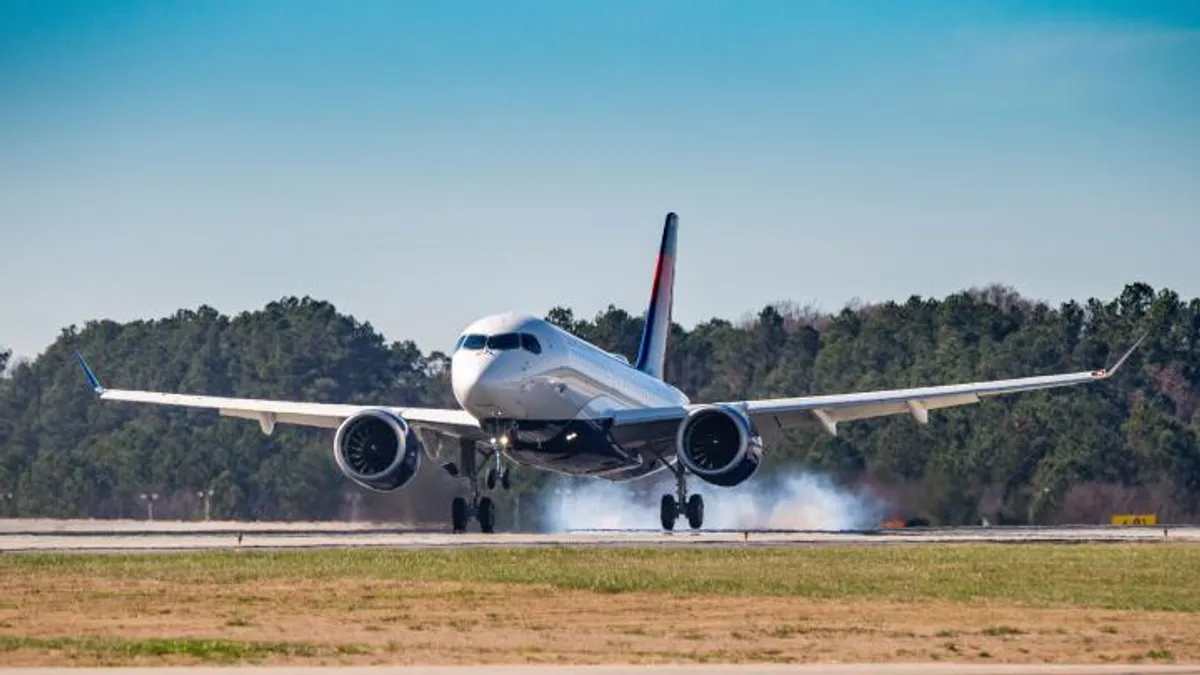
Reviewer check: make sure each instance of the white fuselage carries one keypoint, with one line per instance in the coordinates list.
(554, 376)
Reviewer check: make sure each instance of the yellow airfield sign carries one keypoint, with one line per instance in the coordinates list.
(1135, 519)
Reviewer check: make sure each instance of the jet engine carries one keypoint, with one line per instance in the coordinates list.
(719, 444)
(377, 450)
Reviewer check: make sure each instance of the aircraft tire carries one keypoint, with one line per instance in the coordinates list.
(458, 515)
(668, 511)
(695, 511)
(486, 513)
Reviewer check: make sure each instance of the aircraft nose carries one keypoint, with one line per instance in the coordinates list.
(478, 383)
(464, 373)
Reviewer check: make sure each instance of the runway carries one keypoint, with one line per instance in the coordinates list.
(160, 537)
(99, 535)
(807, 669)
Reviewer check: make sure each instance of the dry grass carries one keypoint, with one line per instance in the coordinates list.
(964, 603)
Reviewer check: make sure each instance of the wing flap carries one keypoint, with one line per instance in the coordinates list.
(268, 420)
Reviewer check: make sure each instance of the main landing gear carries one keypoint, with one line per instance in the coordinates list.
(480, 506)
(680, 504)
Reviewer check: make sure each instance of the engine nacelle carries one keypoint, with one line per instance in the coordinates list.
(377, 450)
(719, 444)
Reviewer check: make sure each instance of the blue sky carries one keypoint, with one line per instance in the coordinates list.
(420, 164)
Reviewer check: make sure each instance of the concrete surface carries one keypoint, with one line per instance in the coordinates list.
(101, 535)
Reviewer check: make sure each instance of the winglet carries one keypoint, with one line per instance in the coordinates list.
(1108, 372)
(93, 381)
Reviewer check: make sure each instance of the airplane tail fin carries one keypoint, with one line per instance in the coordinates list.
(652, 354)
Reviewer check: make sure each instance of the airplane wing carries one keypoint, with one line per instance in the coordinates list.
(774, 415)
(268, 413)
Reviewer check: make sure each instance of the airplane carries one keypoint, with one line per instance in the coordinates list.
(533, 394)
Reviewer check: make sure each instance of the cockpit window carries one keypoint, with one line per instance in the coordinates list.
(473, 342)
(500, 342)
(504, 341)
(530, 343)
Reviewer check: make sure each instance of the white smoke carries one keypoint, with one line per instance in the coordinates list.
(790, 501)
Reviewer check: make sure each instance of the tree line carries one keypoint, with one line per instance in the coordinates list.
(1127, 445)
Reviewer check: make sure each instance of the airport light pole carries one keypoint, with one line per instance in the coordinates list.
(206, 495)
(149, 499)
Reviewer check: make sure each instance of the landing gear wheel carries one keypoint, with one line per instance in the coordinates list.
(486, 513)
(458, 515)
(491, 479)
(504, 479)
(668, 512)
(695, 511)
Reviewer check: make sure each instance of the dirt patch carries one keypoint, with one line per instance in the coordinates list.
(123, 621)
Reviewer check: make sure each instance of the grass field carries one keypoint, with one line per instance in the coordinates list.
(1020, 603)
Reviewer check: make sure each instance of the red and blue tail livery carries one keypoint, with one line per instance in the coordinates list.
(652, 355)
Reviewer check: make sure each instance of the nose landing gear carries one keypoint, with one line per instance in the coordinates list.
(480, 506)
(499, 471)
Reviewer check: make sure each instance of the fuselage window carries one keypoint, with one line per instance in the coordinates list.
(530, 343)
(474, 342)
(504, 341)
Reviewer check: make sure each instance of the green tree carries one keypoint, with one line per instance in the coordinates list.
(1040, 456)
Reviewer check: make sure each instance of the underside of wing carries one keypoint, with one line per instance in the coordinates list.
(269, 413)
(776, 414)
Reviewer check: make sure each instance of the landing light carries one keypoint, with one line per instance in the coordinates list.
(571, 436)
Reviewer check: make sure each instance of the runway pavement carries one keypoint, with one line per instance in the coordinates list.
(99, 535)
(807, 669)
(26, 535)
